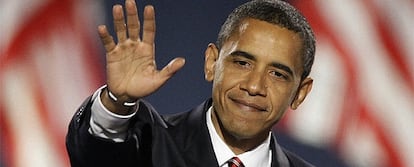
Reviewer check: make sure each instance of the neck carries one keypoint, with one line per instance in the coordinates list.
(237, 144)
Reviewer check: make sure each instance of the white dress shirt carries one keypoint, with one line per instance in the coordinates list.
(107, 125)
(259, 156)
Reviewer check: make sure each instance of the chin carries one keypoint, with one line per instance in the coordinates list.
(243, 133)
(243, 136)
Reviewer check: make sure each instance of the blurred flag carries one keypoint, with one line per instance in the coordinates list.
(362, 104)
(48, 65)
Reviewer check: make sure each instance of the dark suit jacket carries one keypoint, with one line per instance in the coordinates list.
(178, 140)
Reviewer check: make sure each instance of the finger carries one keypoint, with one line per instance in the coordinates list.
(132, 19)
(106, 38)
(119, 23)
(172, 67)
(148, 34)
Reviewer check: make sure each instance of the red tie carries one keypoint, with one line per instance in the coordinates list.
(235, 162)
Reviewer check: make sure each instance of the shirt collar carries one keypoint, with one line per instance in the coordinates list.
(259, 156)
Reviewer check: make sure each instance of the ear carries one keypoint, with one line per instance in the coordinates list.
(211, 56)
(303, 91)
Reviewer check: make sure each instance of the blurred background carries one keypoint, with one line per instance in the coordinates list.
(360, 112)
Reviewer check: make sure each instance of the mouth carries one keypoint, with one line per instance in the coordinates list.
(251, 105)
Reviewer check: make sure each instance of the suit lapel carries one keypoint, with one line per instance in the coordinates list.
(279, 158)
(198, 144)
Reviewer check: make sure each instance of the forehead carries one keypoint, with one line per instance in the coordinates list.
(267, 42)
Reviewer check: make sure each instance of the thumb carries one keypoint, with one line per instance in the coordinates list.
(172, 67)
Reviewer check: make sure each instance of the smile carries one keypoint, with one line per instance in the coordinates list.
(251, 105)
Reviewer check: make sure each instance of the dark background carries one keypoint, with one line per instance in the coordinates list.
(184, 29)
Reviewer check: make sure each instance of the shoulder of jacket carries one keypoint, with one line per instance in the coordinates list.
(295, 160)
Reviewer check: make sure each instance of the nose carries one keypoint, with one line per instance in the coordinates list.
(254, 84)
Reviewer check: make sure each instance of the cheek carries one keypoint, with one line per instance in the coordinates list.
(225, 79)
(219, 87)
(280, 100)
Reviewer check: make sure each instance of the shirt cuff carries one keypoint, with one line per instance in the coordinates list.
(106, 124)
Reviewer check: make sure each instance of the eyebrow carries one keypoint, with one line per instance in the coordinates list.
(251, 57)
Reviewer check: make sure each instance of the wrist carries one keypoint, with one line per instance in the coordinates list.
(116, 105)
(127, 103)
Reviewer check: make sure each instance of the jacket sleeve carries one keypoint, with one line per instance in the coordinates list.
(86, 150)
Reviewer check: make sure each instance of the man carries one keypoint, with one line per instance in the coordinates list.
(259, 68)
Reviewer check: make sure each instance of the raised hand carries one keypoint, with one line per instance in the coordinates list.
(130, 66)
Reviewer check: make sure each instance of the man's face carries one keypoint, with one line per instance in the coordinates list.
(256, 77)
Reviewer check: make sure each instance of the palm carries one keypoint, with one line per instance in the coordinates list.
(135, 69)
(131, 68)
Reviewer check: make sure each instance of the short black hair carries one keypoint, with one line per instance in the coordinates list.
(275, 12)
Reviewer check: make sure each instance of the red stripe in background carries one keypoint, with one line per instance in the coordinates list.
(392, 156)
(351, 101)
(51, 18)
(36, 30)
(390, 43)
(55, 13)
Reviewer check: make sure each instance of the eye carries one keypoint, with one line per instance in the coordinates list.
(279, 75)
(242, 63)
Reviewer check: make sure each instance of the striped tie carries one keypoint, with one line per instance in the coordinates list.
(235, 162)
